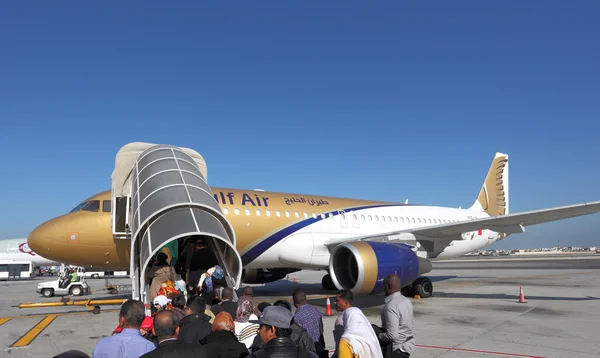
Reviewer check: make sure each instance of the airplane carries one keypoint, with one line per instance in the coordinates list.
(358, 242)
(18, 250)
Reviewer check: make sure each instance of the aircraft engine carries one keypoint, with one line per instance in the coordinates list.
(362, 266)
(252, 276)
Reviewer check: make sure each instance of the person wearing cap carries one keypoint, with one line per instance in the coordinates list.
(275, 332)
(160, 302)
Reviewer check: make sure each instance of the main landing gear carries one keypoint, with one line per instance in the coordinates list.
(421, 286)
(327, 283)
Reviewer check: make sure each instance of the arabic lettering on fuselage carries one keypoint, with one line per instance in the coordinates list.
(309, 201)
(254, 199)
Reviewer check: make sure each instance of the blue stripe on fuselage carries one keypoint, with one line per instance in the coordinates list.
(265, 244)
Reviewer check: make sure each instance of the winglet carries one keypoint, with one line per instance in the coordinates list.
(493, 195)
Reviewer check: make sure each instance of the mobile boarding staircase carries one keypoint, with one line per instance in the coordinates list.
(160, 194)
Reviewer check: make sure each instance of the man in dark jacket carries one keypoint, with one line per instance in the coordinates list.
(227, 304)
(166, 328)
(195, 325)
(299, 335)
(275, 331)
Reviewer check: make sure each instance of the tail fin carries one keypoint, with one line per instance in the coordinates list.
(493, 196)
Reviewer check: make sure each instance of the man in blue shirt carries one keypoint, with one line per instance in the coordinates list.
(129, 343)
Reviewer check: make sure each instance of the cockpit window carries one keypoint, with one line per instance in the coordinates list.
(92, 205)
(106, 206)
(78, 207)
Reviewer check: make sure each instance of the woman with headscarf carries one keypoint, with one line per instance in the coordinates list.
(222, 342)
(359, 339)
(160, 273)
(244, 330)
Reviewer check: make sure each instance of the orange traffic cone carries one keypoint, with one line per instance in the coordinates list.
(521, 296)
(327, 308)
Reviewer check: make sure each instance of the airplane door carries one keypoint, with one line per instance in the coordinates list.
(343, 218)
(355, 221)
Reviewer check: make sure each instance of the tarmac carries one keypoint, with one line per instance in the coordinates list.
(474, 311)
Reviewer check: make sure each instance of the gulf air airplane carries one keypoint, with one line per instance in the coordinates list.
(358, 242)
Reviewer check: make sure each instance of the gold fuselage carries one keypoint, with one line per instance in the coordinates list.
(84, 238)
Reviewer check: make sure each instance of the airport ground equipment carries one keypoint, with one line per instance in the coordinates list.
(93, 305)
(54, 287)
(114, 286)
(160, 194)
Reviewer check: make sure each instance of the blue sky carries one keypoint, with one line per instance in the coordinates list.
(384, 101)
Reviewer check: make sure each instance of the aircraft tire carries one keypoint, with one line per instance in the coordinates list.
(327, 283)
(423, 287)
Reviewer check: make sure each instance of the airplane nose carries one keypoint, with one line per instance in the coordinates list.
(40, 239)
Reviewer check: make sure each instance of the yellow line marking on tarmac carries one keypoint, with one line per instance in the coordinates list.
(54, 314)
(4, 320)
(28, 337)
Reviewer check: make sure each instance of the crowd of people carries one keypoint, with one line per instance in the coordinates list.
(202, 318)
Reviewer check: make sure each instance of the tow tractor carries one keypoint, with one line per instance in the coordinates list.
(63, 285)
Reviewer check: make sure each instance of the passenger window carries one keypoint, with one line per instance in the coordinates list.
(343, 216)
(93, 205)
(277, 213)
(225, 211)
(429, 221)
(322, 216)
(305, 214)
(370, 218)
(287, 214)
(389, 218)
(376, 218)
(296, 214)
(268, 212)
(106, 206)
(419, 220)
(237, 211)
(314, 216)
(383, 218)
(413, 220)
(362, 217)
(257, 212)
(247, 212)
(354, 217)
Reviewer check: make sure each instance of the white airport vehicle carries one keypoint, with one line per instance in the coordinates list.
(16, 270)
(63, 285)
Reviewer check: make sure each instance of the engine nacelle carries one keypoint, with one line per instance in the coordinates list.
(361, 266)
(265, 275)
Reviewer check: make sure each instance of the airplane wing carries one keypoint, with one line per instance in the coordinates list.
(509, 224)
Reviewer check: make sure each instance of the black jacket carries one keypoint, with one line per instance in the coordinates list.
(227, 306)
(299, 336)
(224, 344)
(282, 347)
(177, 349)
(194, 328)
